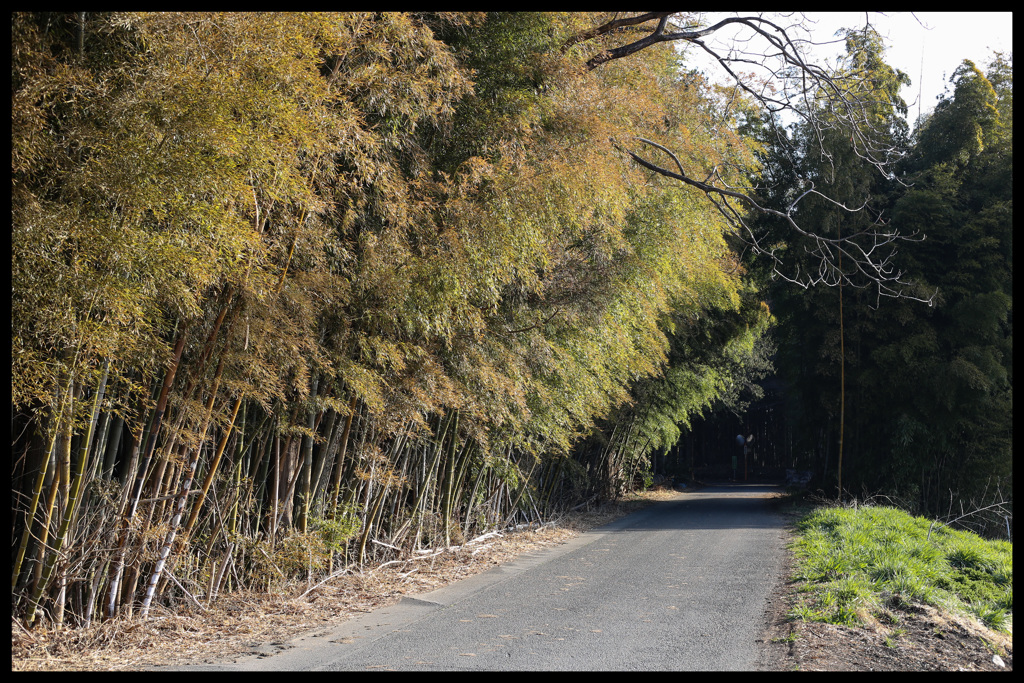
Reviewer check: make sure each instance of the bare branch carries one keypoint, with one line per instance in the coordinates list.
(612, 26)
(824, 100)
(871, 265)
(800, 79)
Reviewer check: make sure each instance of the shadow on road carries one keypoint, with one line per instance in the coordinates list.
(742, 487)
(717, 505)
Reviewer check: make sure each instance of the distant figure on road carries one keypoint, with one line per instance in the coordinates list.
(747, 450)
(741, 442)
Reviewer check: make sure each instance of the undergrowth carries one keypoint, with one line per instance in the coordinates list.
(859, 565)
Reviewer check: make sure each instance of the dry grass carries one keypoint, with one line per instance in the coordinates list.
(236, 622)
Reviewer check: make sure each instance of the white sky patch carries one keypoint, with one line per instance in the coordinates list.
(927, 46)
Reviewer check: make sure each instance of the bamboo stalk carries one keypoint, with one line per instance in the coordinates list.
(514, 504)
(212, 471)
(158, 416)
(306, 471)
(71, 504)
(277, 484)
(113, 443)
(44, 533)
(339, 463)
(115, 583)
(101, 446)
(446, 504)
(472, 495)
(325, 453)
(37, 490)
(371, 519)
(186, 484)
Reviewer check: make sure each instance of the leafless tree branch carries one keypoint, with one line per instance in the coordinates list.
(866, 251)
(799, 79)
(612, 26)
(788, 82)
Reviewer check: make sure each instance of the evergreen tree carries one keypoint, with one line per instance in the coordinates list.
(950, 376)
(823, 330)
(927, 389)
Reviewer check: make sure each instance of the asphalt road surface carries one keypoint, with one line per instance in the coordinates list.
(680, 585)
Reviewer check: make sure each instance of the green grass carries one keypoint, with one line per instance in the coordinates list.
(858, 564)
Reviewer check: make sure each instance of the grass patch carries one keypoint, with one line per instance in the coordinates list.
(858, 564)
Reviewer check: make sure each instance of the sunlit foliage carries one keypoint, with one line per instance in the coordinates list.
(276, 274)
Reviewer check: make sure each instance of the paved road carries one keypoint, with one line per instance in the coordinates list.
(680, 585)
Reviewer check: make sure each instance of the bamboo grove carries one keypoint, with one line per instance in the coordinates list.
(293, 292)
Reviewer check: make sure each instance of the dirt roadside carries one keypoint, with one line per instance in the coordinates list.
(922, 640)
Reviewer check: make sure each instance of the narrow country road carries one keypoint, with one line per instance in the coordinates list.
(680, 585)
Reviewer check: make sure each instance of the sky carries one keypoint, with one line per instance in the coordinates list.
(944, 39)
